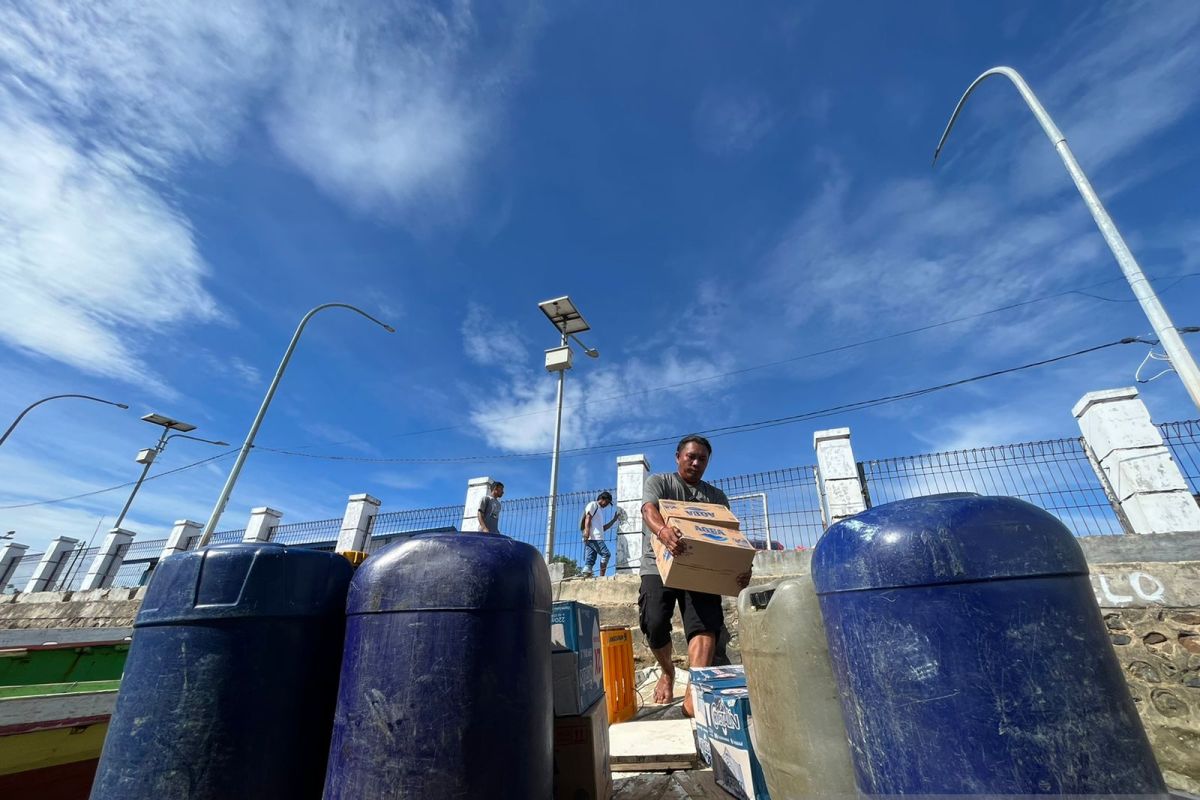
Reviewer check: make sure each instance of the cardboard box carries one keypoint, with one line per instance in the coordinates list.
(716, 515)
(700, 680)
(574, 626)
(578, 681)
(712, 560)
(731, 739)
(581, 762)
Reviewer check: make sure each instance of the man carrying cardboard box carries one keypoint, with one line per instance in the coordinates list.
(703, 617)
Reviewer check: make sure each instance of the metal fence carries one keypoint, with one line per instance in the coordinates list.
(1055, 475)
(320, 530)
(22, 574)
(1183, 439)
(386, 528)
(780, 509)
(525, 518)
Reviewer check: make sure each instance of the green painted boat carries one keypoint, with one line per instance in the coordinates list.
(57, 692)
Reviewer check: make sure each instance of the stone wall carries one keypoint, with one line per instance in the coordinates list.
(97, 608)
(1152, 610)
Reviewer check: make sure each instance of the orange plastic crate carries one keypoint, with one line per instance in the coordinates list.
(616, 648)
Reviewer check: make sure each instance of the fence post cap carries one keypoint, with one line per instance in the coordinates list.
(266, 510)
(365, 498)
(480, 481)
(830, 433)
(1103, 396)
(637, 458)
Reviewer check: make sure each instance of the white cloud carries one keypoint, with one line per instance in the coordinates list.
(603, 401)
(102, 103)
(90, 256)
(388, 108)
(492, 342)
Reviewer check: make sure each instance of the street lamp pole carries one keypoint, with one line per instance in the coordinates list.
(31, 406)
(146, 458)
(1164, 328)
(552, 514)
(567, 320)
(219, 508)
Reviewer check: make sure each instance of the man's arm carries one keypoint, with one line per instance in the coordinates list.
(482, 525)
(587, 525)
(654, 524)
(611, 521)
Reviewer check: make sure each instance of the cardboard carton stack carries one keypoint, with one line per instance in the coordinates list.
(724, 729)
(581, 755)
(578, 665)
(715, 551)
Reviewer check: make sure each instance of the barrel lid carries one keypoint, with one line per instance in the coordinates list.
(245, 580)
(942, 539)
(452, 572)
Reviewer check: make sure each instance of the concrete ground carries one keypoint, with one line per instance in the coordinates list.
(664, 785)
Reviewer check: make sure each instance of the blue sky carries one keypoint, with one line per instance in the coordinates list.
(717, 188)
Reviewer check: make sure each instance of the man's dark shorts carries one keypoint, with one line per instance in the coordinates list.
(656, 606)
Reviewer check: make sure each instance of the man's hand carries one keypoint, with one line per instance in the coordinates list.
(743, 580)
(672, 539)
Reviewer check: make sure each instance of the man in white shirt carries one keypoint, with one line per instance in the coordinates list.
(593, 527)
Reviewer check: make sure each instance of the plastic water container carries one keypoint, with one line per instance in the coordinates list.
(971, 656)
(446, 687)
(231, 679)
(799, 734)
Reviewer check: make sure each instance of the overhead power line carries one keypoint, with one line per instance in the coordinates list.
(727, 430)
(791, 359)
(185, 467)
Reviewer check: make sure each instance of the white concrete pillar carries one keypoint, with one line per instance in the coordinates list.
(183, 535)
(108, 560)
(356, 524)
(262, 523)
(1132, 460)
(631, 475)
(841, 486)
(10, 558)
(45, 575)
(477, 489)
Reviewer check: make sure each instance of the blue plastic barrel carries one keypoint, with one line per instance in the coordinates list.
(446, 687)
(971, 657)
(231, 679)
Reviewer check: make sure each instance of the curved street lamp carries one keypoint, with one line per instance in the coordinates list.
(1167, 333)
(31, 406)
(219, 508)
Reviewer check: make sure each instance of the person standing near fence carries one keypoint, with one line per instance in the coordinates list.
(593, 527)
(489, 509)
(703, 617)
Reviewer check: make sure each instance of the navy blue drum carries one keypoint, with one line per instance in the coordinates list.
(231, 679)
(971, 656)
(446, 688)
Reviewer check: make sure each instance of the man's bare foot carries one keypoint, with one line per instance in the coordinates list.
(688, 710)
(664, 690)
